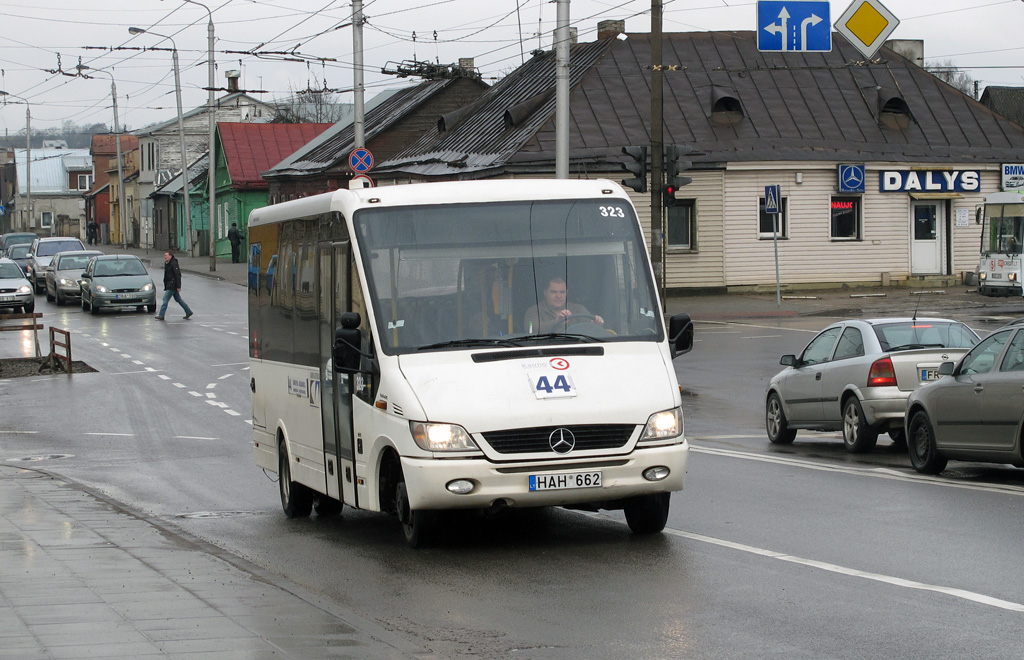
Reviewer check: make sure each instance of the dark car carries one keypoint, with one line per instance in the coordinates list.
(15, 238)
(18, 253)
(43, 250)
(117, 280)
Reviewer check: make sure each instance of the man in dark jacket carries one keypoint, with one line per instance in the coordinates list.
(172, 286)
(235, 238)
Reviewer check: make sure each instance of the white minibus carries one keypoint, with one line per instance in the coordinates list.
(463, 345)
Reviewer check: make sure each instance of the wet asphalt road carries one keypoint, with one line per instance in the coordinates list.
(795, 552)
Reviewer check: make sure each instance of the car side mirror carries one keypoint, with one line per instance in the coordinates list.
(85, 275)
(347, 341)
(680, 332)
(946, 369)
(788, 361)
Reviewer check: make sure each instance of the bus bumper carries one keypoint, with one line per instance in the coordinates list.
(508, 484)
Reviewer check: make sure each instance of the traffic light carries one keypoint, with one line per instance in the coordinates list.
(638, 166)
(673, 166)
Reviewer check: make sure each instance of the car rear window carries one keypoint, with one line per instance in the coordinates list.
(906, 335)
(19, 251)
(10, 272)
(75, 262)
(50, 248)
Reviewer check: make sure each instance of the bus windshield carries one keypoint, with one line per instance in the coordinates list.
(458, 276)
(1004, 228)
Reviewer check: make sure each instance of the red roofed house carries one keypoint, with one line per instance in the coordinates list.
(243, 151)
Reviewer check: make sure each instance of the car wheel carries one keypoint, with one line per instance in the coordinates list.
(898, 437)
(416, 525)
(647, 514)
(150, 308)
(49, 298)
(296, 499)
(29, 308)
(857, 435)
(924, 455)
(85, 304)
(60, 299)
(37, 288)
(775, 423)
(92, 308)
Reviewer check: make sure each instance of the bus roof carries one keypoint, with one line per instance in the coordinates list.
(447, 192)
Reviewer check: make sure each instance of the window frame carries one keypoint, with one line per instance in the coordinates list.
(688, 204)
(858, 210)
(763, 217)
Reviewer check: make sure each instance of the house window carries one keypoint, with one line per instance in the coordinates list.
(846, 224)
(84, 181)
(681, 225)
(766, 222)
(47, 220)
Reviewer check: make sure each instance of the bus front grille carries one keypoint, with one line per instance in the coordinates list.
(546, 438)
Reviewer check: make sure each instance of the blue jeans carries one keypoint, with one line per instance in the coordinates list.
(177, 298)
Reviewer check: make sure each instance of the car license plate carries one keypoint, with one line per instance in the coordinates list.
(565, 480)
(6, 298)
(929, 374)
(125, 296)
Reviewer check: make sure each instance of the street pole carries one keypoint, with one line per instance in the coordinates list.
(562, 90)
(190, 244)
(120, 165)
(359, 137)
(28, 157)
(657, 152)
(211, 111)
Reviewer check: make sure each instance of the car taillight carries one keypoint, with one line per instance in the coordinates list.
(882, 373)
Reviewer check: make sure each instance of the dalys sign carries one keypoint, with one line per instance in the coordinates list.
(937, 181)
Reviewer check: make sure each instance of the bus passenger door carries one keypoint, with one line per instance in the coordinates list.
(335, 389)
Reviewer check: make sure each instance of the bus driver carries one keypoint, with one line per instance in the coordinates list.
(554, 311)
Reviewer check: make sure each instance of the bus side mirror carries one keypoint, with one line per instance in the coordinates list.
(680, 333)
(347, 340)
(978, 215)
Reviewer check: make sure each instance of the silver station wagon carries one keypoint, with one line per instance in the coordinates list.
(855, 377)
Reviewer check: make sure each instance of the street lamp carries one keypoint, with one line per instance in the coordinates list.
(28, 156)
(120, 166)
(181, 134)
(213, 129)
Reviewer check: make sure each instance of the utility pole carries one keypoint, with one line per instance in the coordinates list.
(358, 116)
(657, 152)
(562, 90)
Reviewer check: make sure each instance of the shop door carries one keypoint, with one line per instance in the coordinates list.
(926, 229)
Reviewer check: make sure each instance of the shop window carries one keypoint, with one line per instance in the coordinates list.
(681, 225)
(46, 219)
(846, 219)
(766, 222)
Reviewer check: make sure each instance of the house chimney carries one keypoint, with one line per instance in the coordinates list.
(467, 63)
(912, 49)
(232, 75)
(609, 29)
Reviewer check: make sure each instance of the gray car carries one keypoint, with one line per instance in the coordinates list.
(64, 275)
(43, 251)
(15, 291)
(855, 377)
(18, 253)
(117, 280)
(975, 411)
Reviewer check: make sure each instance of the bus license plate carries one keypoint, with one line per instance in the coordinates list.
(565, 480)
(929, 374)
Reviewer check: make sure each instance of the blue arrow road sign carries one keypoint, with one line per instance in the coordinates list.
(771, 199)
(794, 25)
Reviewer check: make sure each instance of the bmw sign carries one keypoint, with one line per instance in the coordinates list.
(851, 178)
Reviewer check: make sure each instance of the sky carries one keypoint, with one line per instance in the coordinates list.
(286, 46)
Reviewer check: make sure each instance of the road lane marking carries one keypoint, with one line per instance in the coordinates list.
(116, 435)
(191, 437)
(853, 572)
(874, 472)
(757, 325)
(225, 376)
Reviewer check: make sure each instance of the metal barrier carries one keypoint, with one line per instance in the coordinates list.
(29, 323)
(66, 345)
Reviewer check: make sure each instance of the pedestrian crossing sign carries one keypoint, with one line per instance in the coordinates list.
(771, 199)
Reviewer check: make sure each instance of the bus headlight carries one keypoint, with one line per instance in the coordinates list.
(664, 425)
(1012, 277)
(441, 437)
(982, 275)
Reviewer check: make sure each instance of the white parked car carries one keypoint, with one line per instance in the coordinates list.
(855, 376)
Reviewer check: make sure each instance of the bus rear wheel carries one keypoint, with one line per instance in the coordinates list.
(416, 525)
(296, 499)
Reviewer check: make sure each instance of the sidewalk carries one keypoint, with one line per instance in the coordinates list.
(83, 577)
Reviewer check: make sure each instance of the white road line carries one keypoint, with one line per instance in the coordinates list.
(194, 393)
(852, 572)
(117, 435)
(163, 377)
(756, 325)
(19, 432)
(211, 386)
(232, 412)
(179, 385)
(138, 362)
(225, 376)
(219, 404)
(126, 356)
(191, 437)
(876, 473)
(211, 395)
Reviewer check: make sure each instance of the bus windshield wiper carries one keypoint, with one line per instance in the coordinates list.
(480, 341)
(557, 336)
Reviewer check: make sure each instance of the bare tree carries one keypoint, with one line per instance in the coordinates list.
(310, 105)
(949, 73)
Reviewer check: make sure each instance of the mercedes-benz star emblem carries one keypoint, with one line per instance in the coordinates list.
(853, 178)
(562, 441)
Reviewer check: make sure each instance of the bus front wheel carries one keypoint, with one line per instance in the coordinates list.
(416, 525)
(647, 514)
(296, 499)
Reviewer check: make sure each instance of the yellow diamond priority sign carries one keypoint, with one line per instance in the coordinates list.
(866, 24)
